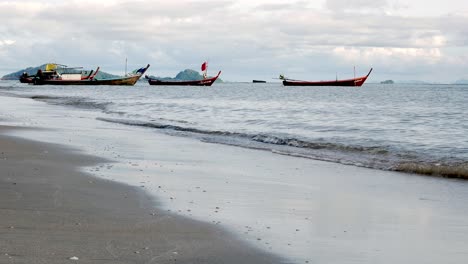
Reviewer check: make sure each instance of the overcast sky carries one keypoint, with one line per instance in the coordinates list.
(246, 39)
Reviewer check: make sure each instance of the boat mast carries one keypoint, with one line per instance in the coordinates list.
(125, 67)
(354, 68)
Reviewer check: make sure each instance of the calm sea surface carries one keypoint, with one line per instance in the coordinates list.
(415, 128)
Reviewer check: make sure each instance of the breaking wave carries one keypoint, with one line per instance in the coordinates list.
(79, 102)
(457, 170)
(376, 157)
(262, 138)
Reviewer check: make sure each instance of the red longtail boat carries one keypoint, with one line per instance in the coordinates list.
(359, 81)
(202, 82)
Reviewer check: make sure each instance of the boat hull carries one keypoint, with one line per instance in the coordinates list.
(26, 79)
(120, 81)
(355, 82)
(203, 82)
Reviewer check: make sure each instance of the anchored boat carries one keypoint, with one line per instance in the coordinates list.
(203, 82)
(58, 71)
(65, 78)
(359, 81)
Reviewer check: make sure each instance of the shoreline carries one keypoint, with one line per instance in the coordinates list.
(51, 212)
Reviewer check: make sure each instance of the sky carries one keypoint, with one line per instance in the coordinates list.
(246, 39)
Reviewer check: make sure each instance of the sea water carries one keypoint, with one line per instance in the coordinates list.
(414, 128)
(301, 208)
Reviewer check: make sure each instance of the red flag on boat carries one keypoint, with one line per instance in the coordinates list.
(204, 66)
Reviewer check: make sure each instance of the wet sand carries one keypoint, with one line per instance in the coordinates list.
(52, 213)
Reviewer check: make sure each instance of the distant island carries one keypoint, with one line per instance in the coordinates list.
(185, 75)
(33, 70)
(387, 82)
(462, 81)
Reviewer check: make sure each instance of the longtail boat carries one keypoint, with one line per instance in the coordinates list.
(359, 81)
(56, 71)
(203, 82)
(75, 79)
(25, 78)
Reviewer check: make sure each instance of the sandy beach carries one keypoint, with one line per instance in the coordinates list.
(52, 213)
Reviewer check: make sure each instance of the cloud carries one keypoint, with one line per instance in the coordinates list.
(356, 5)
(243, 39)
(389, 55)
(6, 42)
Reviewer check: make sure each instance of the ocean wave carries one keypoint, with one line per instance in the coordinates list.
(261, 138)
(376, 157)
(168, 126)
(45, 97)
(298, 143)
(79, 102)
(456, 170)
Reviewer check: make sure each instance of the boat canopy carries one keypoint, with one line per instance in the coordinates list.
(51, 67)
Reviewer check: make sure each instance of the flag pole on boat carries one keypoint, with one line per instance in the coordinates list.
(204, 68)
(125, 67)
(354, 68)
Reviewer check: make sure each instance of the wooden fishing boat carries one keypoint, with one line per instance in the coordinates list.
(359, 81)
(58, 71)
(68, 79)
(25, 78)
(203, 82)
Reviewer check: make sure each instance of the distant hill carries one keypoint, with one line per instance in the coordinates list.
(185, 75)
(33, 71)
(29, 71)
(387, 82)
